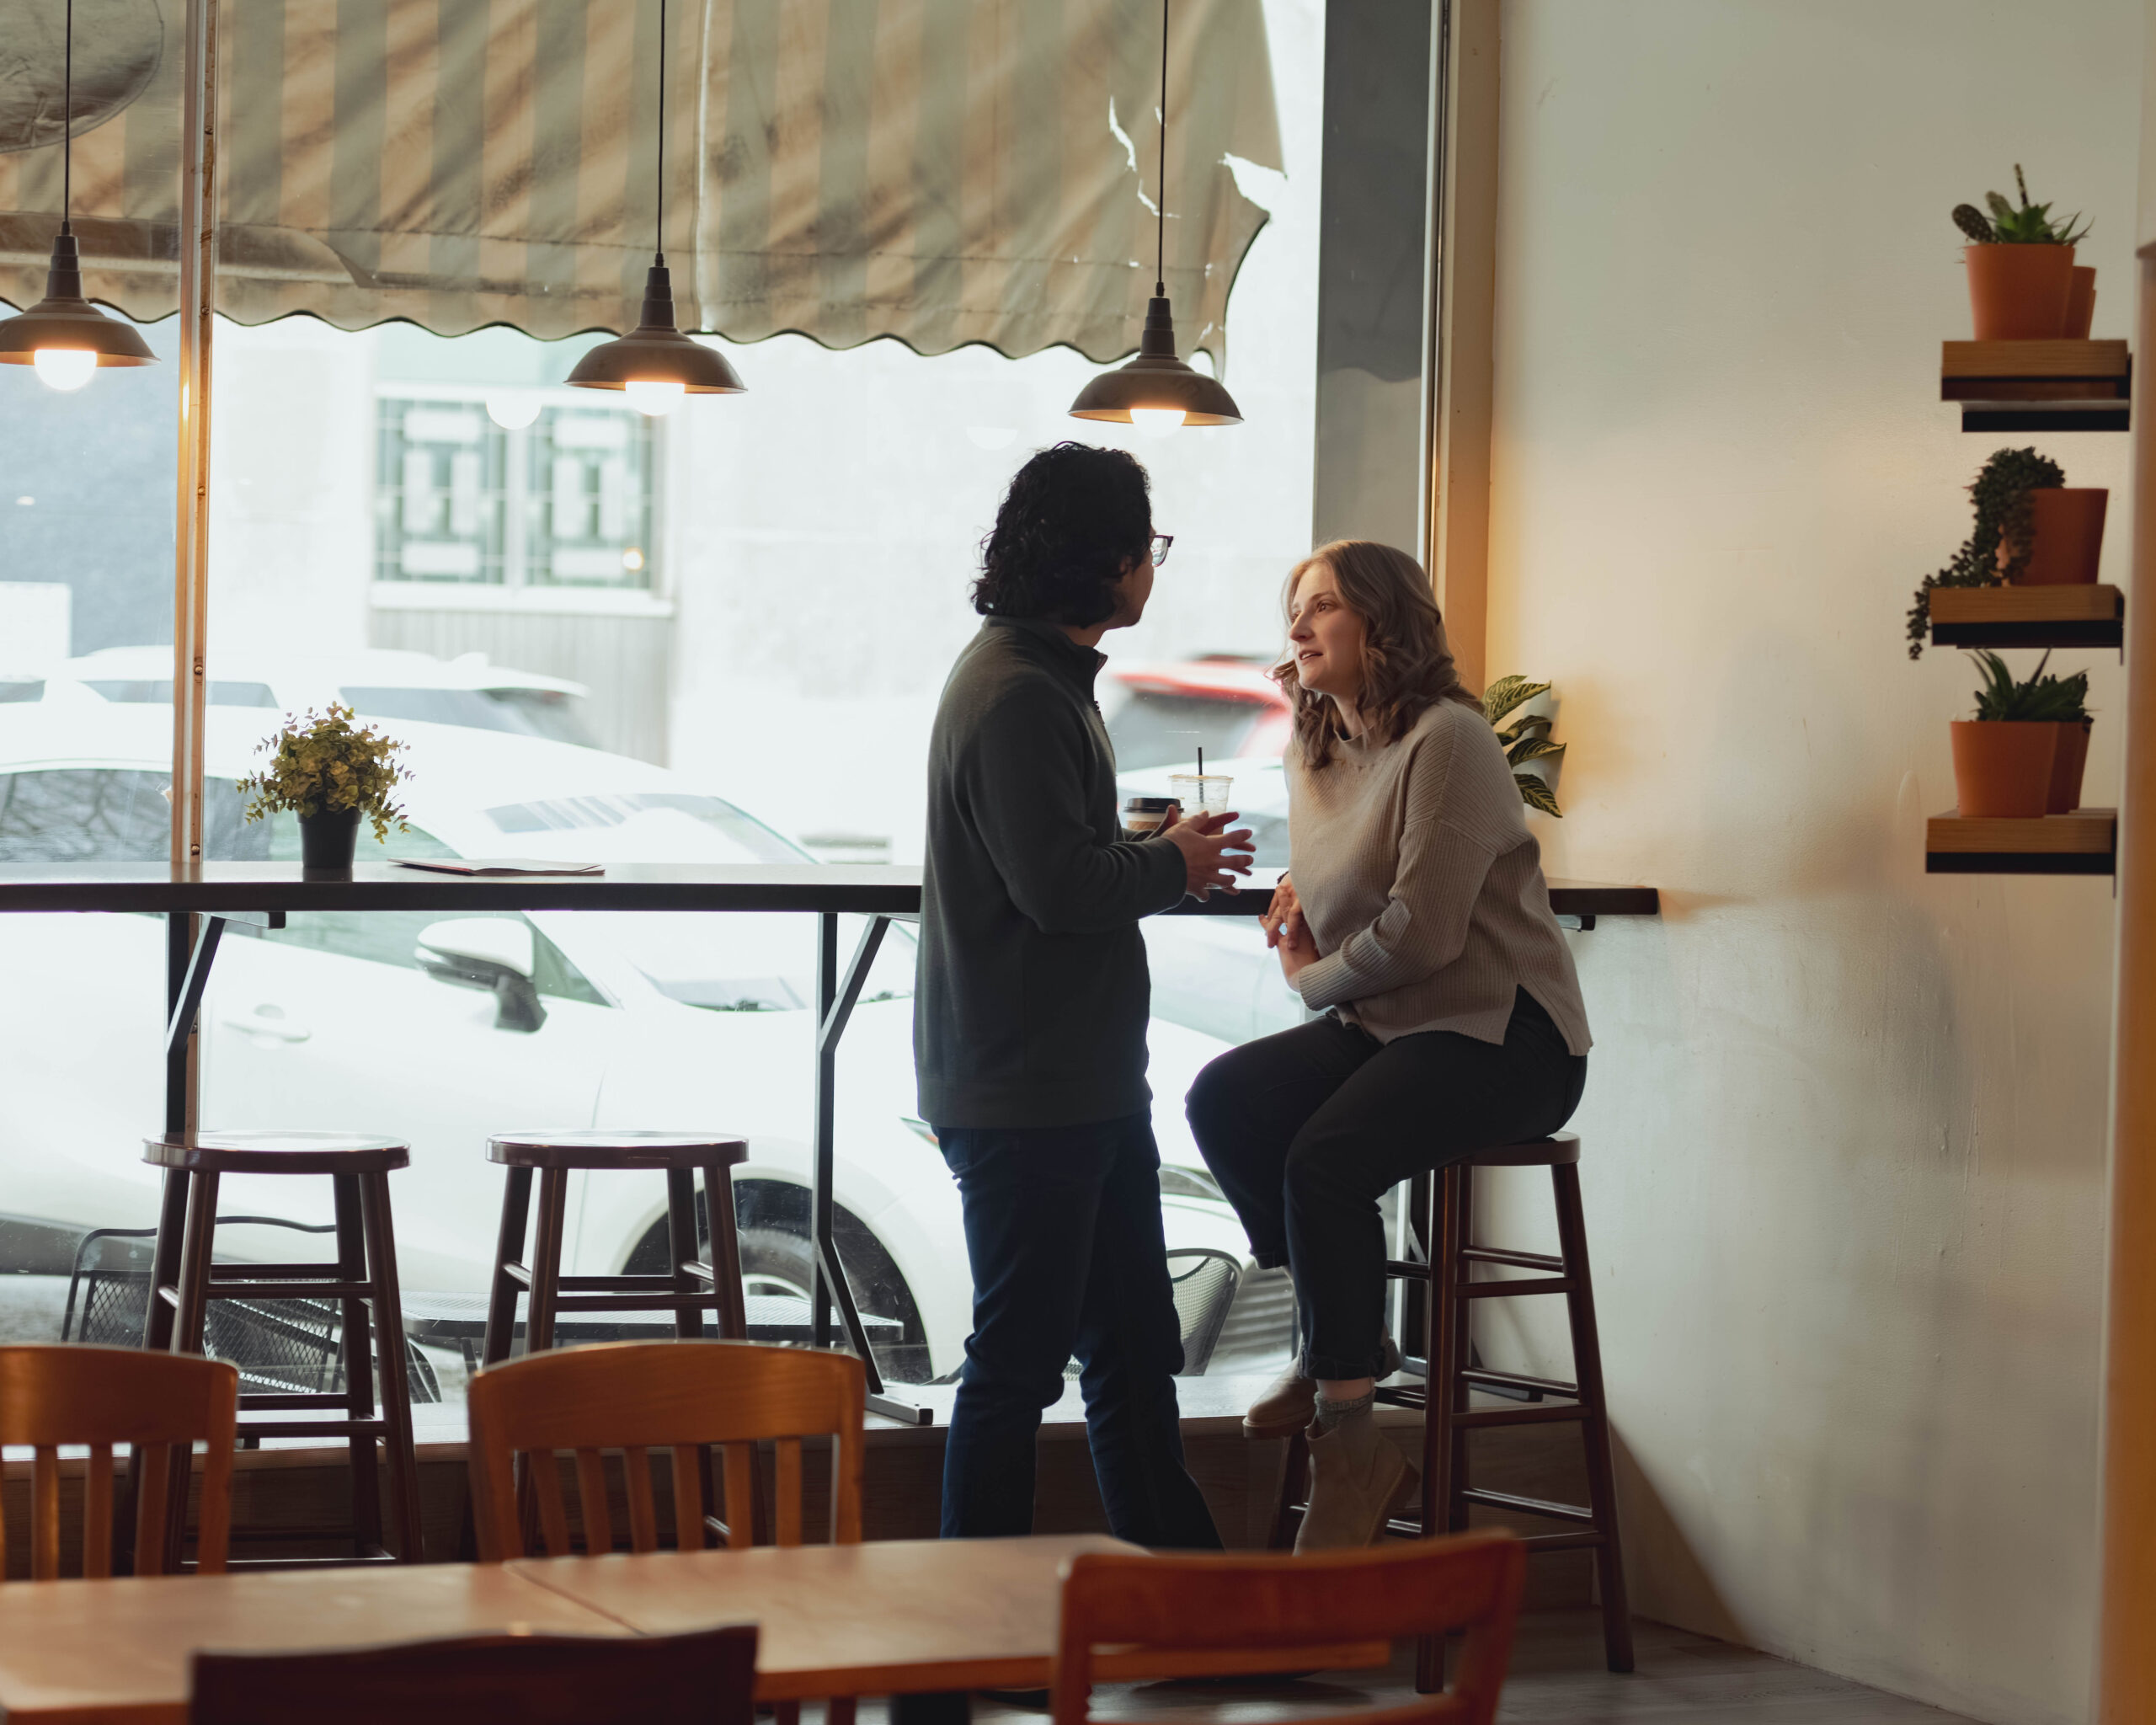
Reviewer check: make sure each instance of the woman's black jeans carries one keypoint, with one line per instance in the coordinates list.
(1306, 1131)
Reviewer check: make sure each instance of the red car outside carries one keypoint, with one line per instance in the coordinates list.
(1161, 715)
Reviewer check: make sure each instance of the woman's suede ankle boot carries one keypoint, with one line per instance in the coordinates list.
(1358, 1480)
(1290, 1403)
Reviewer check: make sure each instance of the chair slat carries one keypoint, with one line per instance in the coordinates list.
(97, 1515)
(152, 1480)
(643, 1508)
(45, 1514)
(591, 1495)
(546, 1474)
(688, 1499)
(788, 1492)
(741, 1496)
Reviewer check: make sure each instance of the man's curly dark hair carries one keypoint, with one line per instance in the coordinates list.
(1071, 516)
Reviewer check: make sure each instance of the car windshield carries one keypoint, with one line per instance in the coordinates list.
(1152, 728)
(522, 713)
(744, 962)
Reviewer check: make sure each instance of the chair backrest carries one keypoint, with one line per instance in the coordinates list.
(162, 1404)
(1204, 1283)
(638, 1396)
(1470, 1583)
(536, 1679)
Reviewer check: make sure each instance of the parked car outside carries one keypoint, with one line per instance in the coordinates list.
(1223, 705)
(377, 682)
(349, 1020)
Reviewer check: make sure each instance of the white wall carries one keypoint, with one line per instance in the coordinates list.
(1845, 1122)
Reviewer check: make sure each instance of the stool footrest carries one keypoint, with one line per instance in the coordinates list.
(1519, 1260)
(313, 1428)
(1516, 1380)
(1566, 1541)
(290, 1290)
(1484, 1417)
(1529, 1506)
(616, 1284)
(1518, 1286)
(635, 1302)
(258, 1272)
(268, 1400)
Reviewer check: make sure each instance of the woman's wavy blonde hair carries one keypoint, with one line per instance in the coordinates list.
(1407, 664)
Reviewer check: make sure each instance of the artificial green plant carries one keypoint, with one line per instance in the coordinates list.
(324, 762)
(2000, 494)
(2037, 701)
(2029, 225)
(1525, 739)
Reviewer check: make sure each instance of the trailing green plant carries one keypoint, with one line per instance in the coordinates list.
(2037, 701)
(2027, 225)
(1526, 738)
(325, 762)
(2001, 494)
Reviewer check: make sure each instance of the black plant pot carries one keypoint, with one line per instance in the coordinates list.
(327, 840)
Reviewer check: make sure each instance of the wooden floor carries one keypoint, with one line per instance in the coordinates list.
(1556, 1675)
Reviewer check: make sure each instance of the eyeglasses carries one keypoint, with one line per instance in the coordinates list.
(1161, 542)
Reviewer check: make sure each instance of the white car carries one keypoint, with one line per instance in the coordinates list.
(377, 682)
(630, 1018)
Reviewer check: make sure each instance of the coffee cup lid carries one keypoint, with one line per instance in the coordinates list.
(1149, 805)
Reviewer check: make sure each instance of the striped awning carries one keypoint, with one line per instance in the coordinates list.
(941, 171)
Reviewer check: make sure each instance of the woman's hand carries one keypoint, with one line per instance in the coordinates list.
(1283, 917)
(1297, 948)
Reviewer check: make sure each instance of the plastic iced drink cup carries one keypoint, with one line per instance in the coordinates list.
(1201, 792)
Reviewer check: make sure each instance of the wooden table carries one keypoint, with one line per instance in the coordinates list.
(116, 1652)
(893, 1617)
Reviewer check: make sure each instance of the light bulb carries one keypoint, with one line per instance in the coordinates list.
(64, 367)
(514, 410)
(655, 398)
(1157, 422)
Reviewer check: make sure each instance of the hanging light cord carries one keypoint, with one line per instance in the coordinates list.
(658, 215)
(1160, 209)
(67, 123)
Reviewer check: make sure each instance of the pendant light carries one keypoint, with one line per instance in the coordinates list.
(654, 363)
(63, 334)
(1157, 392)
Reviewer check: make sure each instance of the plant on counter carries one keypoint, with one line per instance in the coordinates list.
(324, 765)
(1525, 739)
(2000, 494)
(2030, 225)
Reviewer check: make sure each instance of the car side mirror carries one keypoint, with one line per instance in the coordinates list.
(495, 954)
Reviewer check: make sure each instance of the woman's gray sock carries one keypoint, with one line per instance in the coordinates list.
(1331, 1414)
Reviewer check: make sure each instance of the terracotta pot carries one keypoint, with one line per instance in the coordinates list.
(2017, 293)
(2080, 304)
(2066, 765)
(2003, 768)
(2066, 536)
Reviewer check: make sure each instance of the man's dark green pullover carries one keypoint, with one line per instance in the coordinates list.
(1033, 996)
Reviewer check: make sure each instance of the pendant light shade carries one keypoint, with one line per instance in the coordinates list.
(63, 334)
(654, 364)
(1157, 391)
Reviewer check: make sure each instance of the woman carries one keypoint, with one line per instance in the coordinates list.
(1417, 920)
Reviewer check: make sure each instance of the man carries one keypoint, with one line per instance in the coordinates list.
(1031, 1012)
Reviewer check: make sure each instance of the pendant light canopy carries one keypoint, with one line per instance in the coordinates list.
(1157, 391)
(655, 364)
(63, 334)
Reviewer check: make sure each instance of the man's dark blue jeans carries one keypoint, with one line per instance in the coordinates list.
(1063, 1228)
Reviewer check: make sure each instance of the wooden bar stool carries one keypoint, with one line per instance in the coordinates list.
(1449, 1296)
(184, 1279)
(696, 1282)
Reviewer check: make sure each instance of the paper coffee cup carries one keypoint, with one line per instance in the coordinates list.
(1146, 814)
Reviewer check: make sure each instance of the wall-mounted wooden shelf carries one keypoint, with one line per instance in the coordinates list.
(2083, 842)
(2037, 386)
(2092, 616)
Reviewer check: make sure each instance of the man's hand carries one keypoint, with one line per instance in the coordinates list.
(1212, 855)
(1283, 919)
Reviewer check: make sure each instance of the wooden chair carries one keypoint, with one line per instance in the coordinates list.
(1209, 1603)
(638, 1396)
(162, 1404)
(536, 1679)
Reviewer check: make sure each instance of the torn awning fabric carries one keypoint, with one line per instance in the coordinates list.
(944, 171)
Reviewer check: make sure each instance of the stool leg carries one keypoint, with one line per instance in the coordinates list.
(509, 1249)
(190, 1319)
(1594, 1429)
(164, 1260)
(725, 1252)
(682, 1251)
(1443, 1443)
(396, 1389)
(547, 1258)
(357, 1362)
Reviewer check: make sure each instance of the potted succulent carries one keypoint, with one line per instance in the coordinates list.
(2066, 700)
(1526, 739)
(2001, 543)
(2003, 757)
(332, 774)
(2021, 267)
